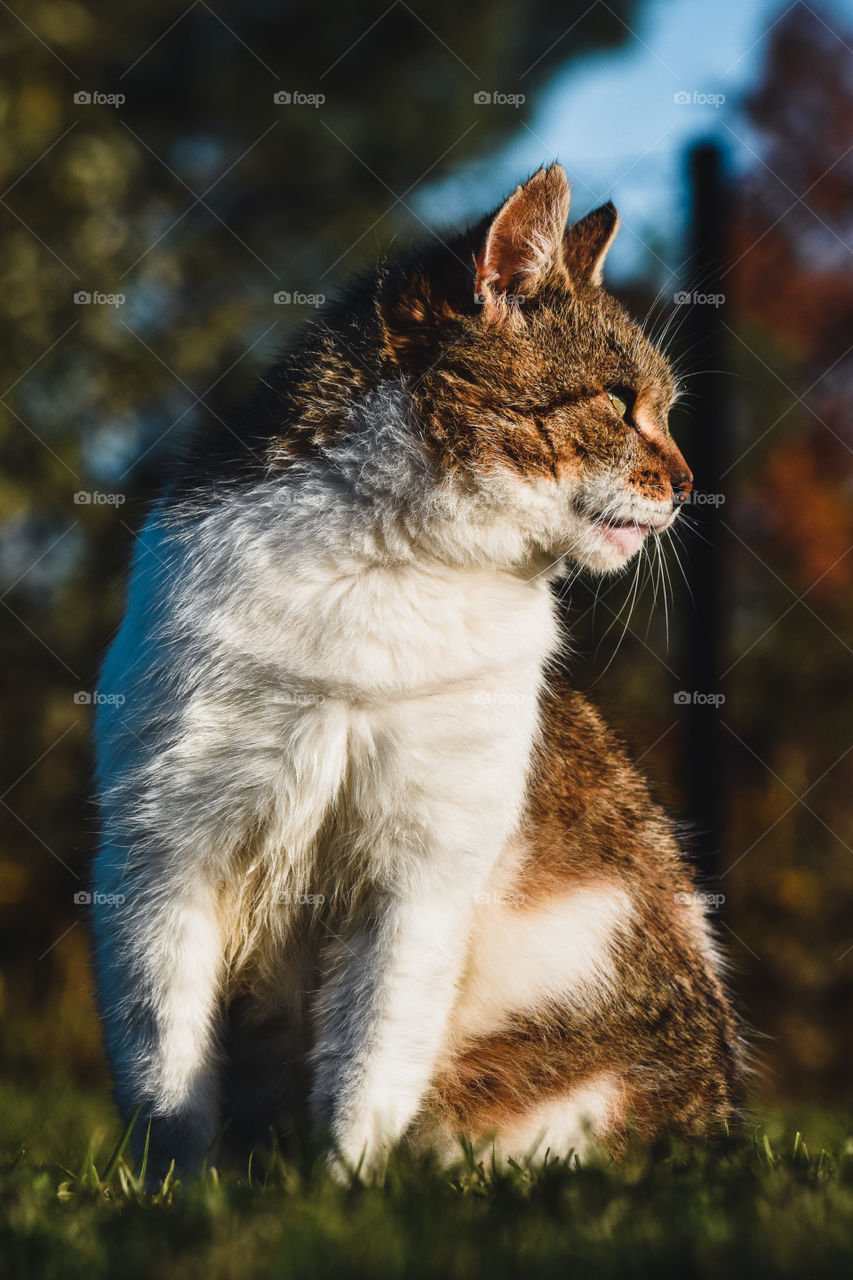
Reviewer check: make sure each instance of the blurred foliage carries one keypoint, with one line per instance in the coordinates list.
(790, 556)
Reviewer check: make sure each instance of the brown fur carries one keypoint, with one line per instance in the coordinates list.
(669, 1034)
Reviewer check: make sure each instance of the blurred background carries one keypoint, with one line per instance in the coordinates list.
(180, 187)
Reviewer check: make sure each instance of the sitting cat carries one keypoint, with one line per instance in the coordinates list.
(381, 867)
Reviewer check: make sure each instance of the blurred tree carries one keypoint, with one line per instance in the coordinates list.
(791, 547)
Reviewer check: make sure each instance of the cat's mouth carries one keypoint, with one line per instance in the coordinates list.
(627, 536)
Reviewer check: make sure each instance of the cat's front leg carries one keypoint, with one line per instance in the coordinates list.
(437, 814)
(160, 965)
(381, 1022)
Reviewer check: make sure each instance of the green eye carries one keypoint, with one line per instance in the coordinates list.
(620, 404)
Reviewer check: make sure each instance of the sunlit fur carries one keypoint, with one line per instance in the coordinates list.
(340, 730)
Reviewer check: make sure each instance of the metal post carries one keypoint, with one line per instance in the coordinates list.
(705, 435)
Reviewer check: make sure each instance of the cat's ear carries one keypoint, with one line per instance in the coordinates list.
(587, 242)
(521, 248)
(492, 269)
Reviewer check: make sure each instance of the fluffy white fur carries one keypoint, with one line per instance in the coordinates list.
(570, 1124)
(521, 960)
(331, 685)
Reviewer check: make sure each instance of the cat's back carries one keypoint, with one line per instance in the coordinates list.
(591, 995)
(590, 808)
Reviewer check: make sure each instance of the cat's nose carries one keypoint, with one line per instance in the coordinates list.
(682, 487)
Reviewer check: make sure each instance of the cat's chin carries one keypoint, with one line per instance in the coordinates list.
(608, 559)
(615, 544)
(608, 548)
(625, 539)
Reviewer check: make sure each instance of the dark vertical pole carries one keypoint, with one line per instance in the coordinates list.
(705, 445)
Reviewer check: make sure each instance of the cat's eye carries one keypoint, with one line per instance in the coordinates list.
(620, 398)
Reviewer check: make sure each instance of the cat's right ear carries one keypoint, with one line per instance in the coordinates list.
(521, 250)
(588, 241)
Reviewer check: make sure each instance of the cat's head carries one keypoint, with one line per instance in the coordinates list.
(535, 391)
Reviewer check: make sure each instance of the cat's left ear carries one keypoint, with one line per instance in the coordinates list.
(521, 249)
(587, 242)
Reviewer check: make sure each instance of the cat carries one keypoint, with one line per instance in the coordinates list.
(381, 870)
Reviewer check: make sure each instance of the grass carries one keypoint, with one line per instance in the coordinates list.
(765, 1202)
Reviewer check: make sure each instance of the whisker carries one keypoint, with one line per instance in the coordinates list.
(666, 583)
(673, 543)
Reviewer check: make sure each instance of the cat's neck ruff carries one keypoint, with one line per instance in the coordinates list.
(340, 573)
(372, 501)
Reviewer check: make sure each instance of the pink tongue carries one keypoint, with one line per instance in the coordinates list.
(628, 538)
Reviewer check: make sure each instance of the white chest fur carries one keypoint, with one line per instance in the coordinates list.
(290, 663)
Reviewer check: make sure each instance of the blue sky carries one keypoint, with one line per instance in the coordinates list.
(612, 120)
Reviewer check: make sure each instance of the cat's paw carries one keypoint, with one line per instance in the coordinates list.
(361, 1146)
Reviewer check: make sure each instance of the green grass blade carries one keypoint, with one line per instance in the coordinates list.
(109, 1172)
(144, 1167)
